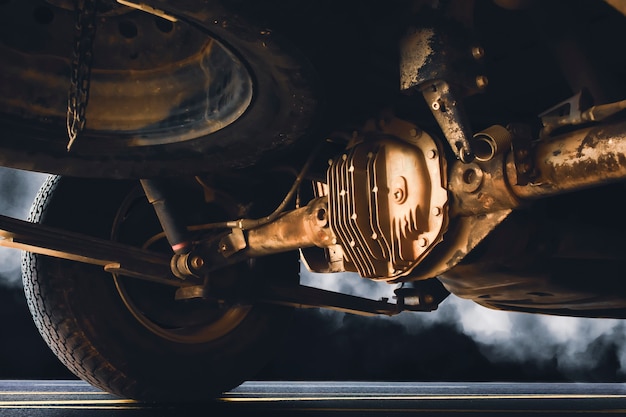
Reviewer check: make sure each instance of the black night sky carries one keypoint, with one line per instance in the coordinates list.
(459, 342)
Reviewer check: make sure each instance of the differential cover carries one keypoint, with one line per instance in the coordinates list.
(387, 198)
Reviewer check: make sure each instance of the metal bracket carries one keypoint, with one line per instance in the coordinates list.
(423, 295)
(577, 110)
(232, 243)
(439, 58)
(565, 113)
(451, 117)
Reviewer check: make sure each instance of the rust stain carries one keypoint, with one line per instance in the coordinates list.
(590, 141)
(416, 51)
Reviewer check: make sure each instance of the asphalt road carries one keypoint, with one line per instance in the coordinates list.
(75, 398)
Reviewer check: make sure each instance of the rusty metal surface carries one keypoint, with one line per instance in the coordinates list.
(300, 228)
(156, 85)
(417, 48)
(449, 112)
(465, 232)
(163, 79)
(490, 142)
(584, 158)
(577, 160)
(440, 57)
(480, 187)
(440, 45)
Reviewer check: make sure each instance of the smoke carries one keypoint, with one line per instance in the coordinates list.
(18, 190)
(534, 346)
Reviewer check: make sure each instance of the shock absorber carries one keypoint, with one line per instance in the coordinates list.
(175, 231)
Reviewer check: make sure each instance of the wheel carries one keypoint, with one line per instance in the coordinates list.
(131, 337)
(204, 93)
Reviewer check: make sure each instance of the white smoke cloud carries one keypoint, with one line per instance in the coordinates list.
(503, 337)
(17, 190)
(523, 337)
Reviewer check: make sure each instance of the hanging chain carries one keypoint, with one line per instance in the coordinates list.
(82, 60)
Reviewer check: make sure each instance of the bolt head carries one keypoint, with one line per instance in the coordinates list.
(522, 153)
(414, 133)
(481, 81)
(196, 262)
(435, 105)
(398, 194)
(478, 52)
(471, 178)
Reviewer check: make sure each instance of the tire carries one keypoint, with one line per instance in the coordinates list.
(80, 313)
(153, 110)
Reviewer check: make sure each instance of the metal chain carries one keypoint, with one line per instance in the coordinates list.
(82, 59)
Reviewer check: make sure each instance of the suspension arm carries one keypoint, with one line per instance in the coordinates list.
(308, 297)
(113, 256)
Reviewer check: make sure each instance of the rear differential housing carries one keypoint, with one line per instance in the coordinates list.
(387, 199)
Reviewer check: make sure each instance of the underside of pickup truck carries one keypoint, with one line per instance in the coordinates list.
(203, 152)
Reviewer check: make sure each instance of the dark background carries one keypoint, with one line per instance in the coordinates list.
(459, 342)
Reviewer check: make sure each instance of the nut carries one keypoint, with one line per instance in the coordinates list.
(481, 81)
(415, 132)
(478, 52)
(471, 178)
(196, 262)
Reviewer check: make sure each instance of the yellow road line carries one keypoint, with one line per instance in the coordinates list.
(431, 397)
(447, 411)
(52, 393)
(20, 403)
(72, 407)
(394, 395)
